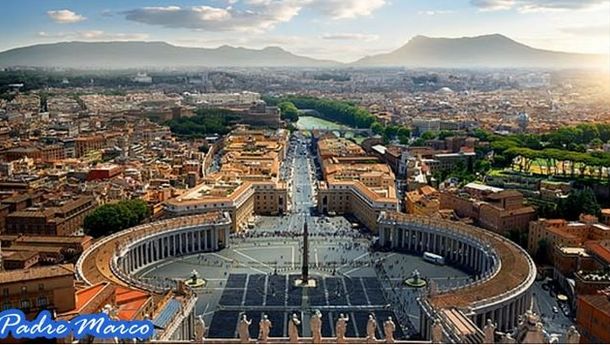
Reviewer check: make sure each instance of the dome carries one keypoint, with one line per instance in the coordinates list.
(445, 90)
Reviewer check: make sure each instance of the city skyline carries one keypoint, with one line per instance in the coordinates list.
(338, 30)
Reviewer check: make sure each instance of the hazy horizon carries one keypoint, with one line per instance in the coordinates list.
(340, 30)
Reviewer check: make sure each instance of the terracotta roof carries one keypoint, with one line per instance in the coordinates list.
(18, 256)
(36, 273)
(600, 250)
(600, 302)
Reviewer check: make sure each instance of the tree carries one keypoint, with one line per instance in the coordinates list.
(403, 132)
(288, 111)
(596, 143)
(110, 218)
(377, 128)
(429, 135)
(542, 254)
(519, 237)
(333, 110)
(204, 148)
(482, 166)
(391, 131)
(207, 121)
(577, 203)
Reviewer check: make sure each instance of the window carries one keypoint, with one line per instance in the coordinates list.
(42, 301)
(25, 304)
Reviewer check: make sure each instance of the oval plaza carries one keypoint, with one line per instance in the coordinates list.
(280, 242)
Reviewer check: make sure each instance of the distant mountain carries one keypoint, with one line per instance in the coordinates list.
(481, 51)
(150, 54)
(467, 52)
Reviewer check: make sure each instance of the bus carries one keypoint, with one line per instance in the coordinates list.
(433, 258)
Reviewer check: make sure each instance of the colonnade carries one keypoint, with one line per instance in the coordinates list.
(468, 248)
(177, 242)
(455, 247)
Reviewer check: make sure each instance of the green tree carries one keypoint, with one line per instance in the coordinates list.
(110, 218)
(289, 111)
(577, 203)
(429, 135)
(377, 128)
(542, 254)
(204, 148)
(403, 132)
(391, 131)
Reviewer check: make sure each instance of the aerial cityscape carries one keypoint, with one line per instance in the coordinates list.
(305, 171)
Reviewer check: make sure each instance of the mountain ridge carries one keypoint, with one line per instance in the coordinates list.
(492, 50)
(127, 54)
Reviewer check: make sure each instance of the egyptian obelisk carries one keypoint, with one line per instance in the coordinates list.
(305, 262)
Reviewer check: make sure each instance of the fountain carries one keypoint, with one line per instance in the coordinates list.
(415, 281)
(195, 282)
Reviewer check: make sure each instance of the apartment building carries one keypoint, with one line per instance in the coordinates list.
(353, 183)
(41, 288)
(492, 208)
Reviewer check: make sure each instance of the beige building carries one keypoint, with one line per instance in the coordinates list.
(34, 289)
(563, 233)
(423, 202)
(492, 208)
(353, 185)
(248, 181)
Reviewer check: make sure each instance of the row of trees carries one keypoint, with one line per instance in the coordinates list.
(110, 218)
(207, 121)
(560, 162)
(332, 110)
(390, 132)
(339, 111)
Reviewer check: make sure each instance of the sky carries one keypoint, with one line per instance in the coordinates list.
(342, 30)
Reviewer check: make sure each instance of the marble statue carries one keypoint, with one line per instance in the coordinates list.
(572, 336)
(341, 328)
(437, 332)
(293, 329)
(315, 324)
(388, 330)
(371, 328)
(530, 329)
(433, 288)
(244, 329)
(265, 327)
(111, 311)
(508, 339)
(199, 329)
(489, 332)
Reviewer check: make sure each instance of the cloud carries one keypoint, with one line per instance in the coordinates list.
(536, 5)
(342, 9)
(592, 30)
(251, 15)
(65, 16)
(350, 36)
(434, 12)
(94, 35)
(262, 15)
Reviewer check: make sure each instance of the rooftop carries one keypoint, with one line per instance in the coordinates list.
(44, 272)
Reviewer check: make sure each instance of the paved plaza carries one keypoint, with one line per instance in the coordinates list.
(256, 273)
